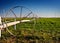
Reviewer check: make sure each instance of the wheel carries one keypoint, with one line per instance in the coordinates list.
(19, 13)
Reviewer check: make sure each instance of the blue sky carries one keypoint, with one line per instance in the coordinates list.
(43, 8)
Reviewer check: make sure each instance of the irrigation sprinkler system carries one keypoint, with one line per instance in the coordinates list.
(10, 19)
(19, 16)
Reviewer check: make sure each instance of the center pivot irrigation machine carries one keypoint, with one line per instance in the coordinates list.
(10, 18)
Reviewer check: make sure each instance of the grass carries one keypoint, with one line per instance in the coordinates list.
(45, 30)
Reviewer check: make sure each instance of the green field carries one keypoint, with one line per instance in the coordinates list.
(42, 30)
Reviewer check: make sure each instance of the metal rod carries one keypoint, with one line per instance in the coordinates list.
(15, 25)
(21, 13)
